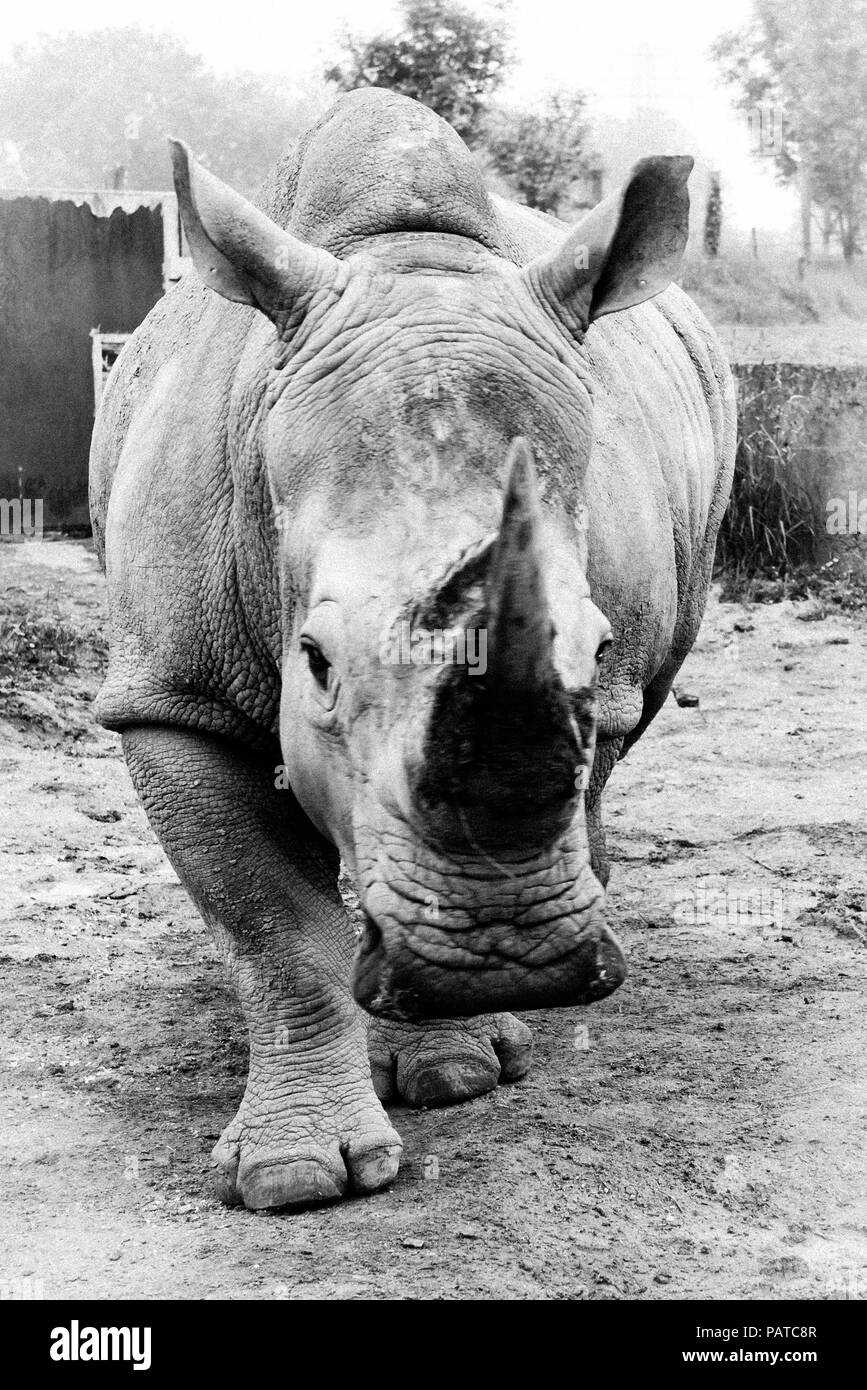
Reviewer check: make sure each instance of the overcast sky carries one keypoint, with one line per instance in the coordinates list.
(623, 53)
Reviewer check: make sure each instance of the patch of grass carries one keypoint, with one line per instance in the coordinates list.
(769, 527)
(738, 288)
(44, 646)
(831, 586)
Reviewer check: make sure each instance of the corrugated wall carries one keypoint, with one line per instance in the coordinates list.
(63, 271)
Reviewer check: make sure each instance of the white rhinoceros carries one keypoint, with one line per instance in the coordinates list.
(408, 515)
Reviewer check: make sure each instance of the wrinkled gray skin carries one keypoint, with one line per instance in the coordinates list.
(322, 441)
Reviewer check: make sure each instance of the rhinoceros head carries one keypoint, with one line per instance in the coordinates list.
(427, 427)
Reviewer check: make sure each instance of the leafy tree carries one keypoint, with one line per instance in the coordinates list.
(807, 59)
(713, 217)
(445, 57)
(75, 107)
(541, 153)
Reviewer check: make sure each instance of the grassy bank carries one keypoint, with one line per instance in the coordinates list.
(739, 289)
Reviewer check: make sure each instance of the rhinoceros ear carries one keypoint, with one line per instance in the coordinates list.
(238, 251)
(626, 250)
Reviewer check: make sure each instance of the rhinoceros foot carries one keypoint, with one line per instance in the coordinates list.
(444, 1061)
(283, 1152)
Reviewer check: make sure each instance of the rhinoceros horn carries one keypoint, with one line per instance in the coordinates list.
(520, 632)
(238, 251)
(503, 748)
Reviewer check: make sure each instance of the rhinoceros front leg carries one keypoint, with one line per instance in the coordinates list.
(310, 1126)
(447, 1060)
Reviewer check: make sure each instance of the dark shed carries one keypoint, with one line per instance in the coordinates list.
(70, 263)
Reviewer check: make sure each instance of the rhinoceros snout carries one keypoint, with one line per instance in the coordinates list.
(407, 977)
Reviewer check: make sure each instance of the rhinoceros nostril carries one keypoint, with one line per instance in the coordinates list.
(373, 983)
(371, 937)
(370, 958)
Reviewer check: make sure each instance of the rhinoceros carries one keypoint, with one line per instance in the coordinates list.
(407, 502)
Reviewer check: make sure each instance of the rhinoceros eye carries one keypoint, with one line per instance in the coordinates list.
(604, 647)
(320, 666)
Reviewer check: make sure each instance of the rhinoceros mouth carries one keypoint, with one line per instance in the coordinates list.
(400, 979)
(486, 940)
(458, 932)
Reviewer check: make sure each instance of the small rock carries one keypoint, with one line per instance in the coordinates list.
(469, 1232)
(743, 626)
(784, 1264)
(412, 1243)
(685, 698)
(662, 1278)
(658, 921)
(103, 1077)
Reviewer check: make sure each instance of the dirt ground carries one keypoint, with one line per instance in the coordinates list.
(699, 1134)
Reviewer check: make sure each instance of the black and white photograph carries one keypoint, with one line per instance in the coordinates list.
(433, 663)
